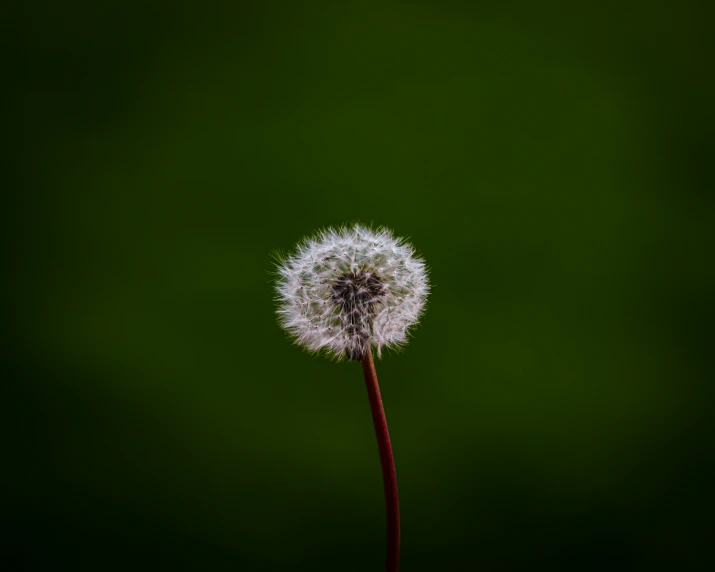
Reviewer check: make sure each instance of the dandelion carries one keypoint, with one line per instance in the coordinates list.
(344, 292)
(351, 289)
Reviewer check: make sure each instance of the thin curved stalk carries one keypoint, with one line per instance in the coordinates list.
(389, 476)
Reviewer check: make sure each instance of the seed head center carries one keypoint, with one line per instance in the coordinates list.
(355, 290)
(356, 294)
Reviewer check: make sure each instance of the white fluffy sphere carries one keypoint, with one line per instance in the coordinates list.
(349, 289)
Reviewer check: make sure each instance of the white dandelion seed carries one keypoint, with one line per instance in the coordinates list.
(351, 289)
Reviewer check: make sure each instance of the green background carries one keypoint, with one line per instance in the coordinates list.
(552, 163)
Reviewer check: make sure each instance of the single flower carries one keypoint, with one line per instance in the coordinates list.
(344, 292)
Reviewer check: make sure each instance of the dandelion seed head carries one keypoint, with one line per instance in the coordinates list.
(350, 289)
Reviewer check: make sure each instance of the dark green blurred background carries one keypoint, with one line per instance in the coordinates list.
(552, 163)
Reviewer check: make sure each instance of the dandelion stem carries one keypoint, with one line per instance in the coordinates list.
(389, 477)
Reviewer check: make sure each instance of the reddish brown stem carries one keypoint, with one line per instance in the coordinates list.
(389, 477)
